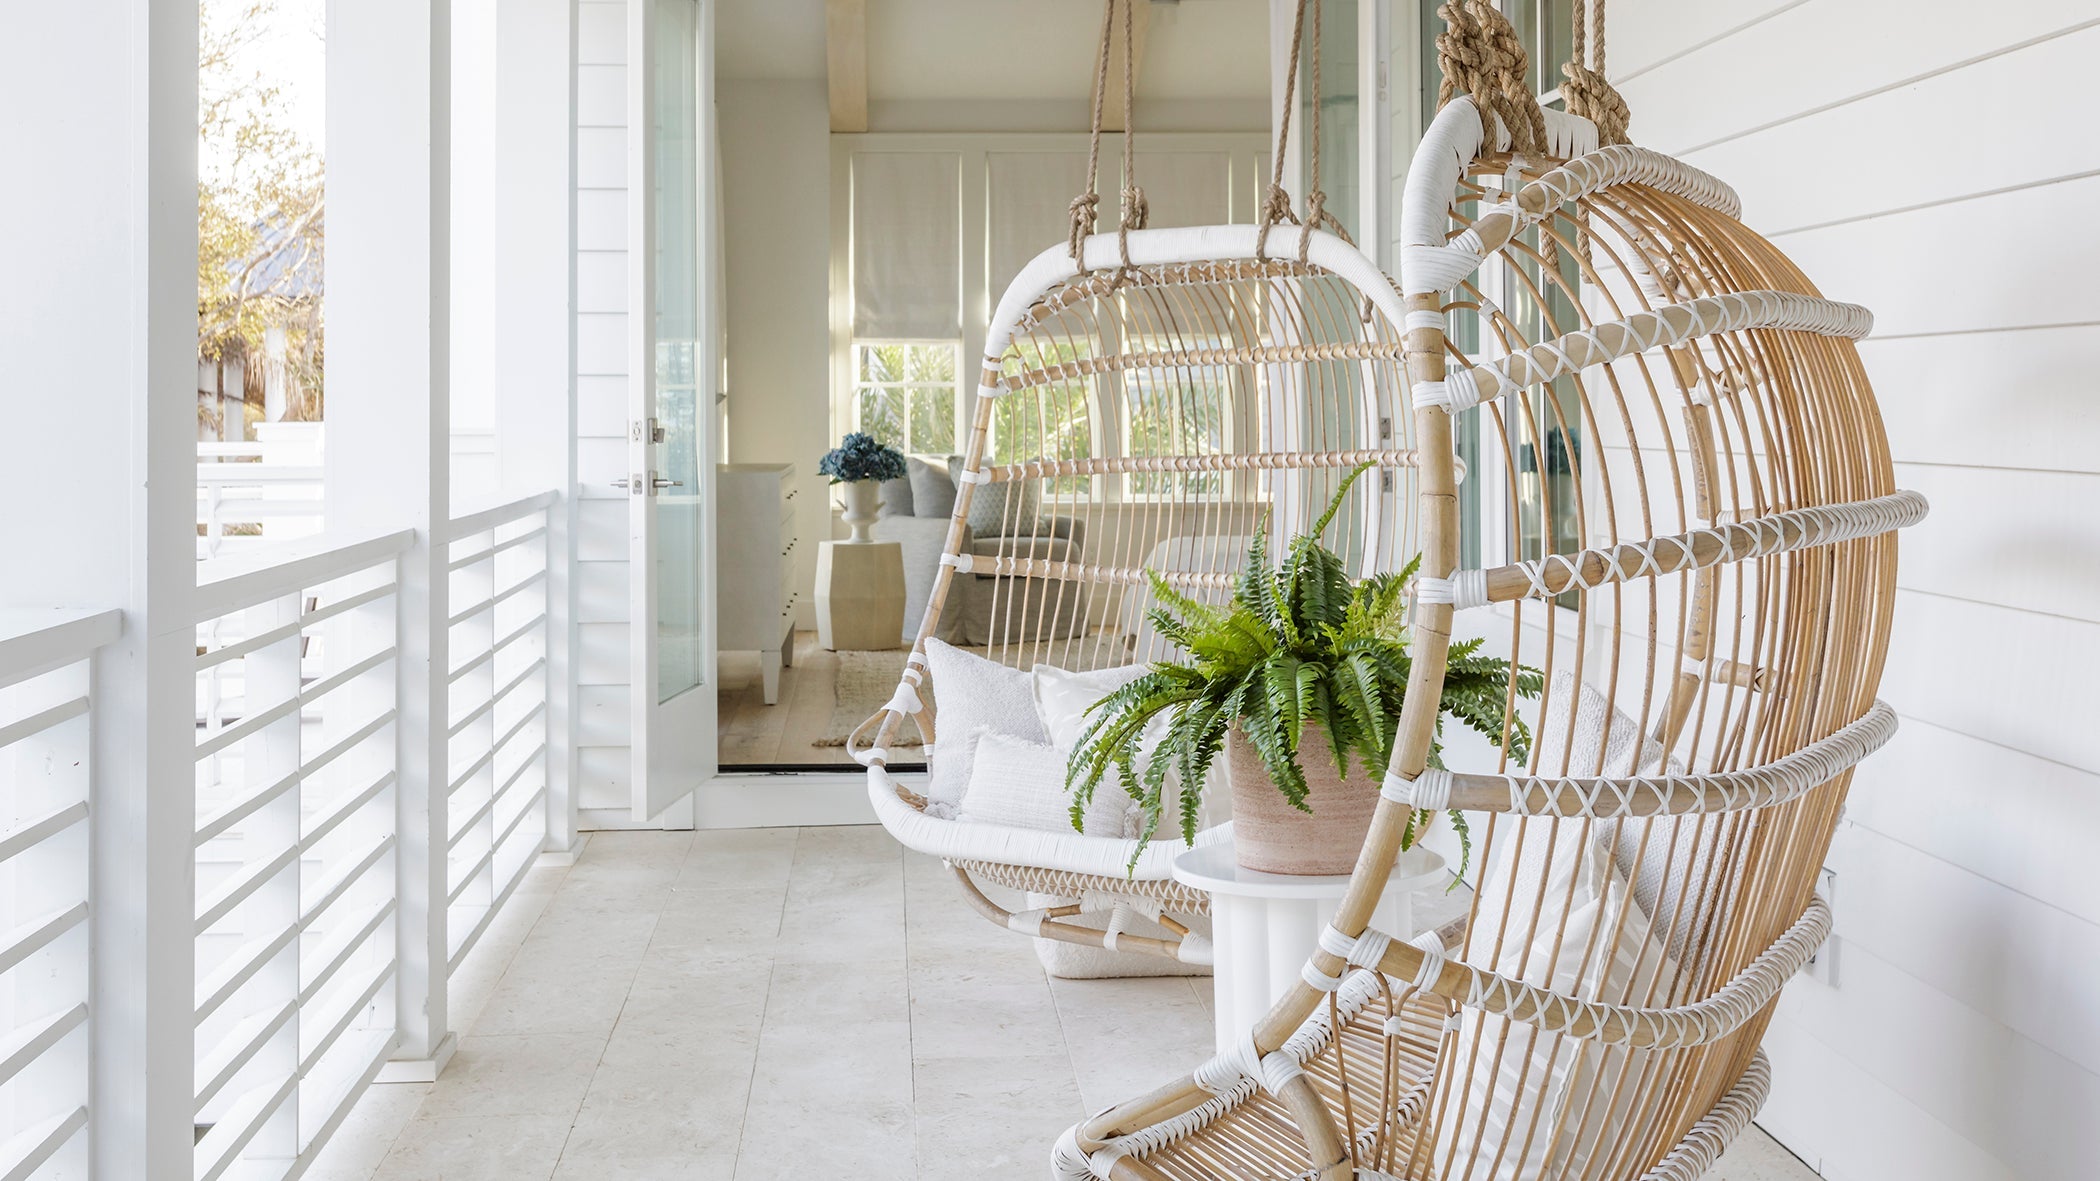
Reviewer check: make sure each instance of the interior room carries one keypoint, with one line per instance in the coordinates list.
(1140, 590)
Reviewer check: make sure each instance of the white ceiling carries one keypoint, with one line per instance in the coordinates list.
(1004, 49)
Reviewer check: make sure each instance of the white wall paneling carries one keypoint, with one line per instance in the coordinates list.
(601, 660)
(1940, 179)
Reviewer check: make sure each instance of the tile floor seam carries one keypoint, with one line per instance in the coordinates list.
(606, 1045)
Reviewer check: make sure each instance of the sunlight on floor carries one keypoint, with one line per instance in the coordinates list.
(777, 1003)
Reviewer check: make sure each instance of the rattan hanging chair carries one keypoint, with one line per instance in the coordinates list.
(1161, 393)
(1608, 345)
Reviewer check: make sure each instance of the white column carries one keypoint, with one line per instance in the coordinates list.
(101, 136)
(389, 422)
(535, 335)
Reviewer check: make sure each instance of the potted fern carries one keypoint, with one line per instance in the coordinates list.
(1302, 673)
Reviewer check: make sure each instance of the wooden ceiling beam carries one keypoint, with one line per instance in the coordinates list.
(1140, 26)
(846, 62)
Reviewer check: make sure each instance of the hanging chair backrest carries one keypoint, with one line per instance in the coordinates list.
(1162, 414)
(1679, 510)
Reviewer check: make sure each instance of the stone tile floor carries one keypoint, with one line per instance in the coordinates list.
(774, 1003)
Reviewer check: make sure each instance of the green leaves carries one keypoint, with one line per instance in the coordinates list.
(1295, 647)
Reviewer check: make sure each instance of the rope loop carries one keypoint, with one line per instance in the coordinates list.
(1481, 57)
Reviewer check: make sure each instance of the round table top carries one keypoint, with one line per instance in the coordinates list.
(1215, 869)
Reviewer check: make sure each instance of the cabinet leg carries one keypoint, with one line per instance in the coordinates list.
(787, 647)
(769, 673)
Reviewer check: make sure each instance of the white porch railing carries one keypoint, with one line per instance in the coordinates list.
(304, 909)
(496, 725)
(296, 828)
(46, 805)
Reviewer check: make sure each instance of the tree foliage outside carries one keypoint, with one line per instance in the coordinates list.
(259, 220)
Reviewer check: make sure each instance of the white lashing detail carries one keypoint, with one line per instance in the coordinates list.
(905, 700)
(1426, 319)
(1782, 779)
(1027, 922)
(1195, 949)
(1697, 1024)
(1428, 792)
(963, 563)
(1640, 332)
(975, 476)
(1463, 590)
(1431, 945)
(1788, 529)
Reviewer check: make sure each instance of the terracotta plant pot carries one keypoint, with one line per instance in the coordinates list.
(1272, 836)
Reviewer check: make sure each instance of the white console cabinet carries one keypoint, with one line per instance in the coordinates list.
(754, 555)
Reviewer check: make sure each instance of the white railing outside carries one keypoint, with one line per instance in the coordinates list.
(497, 709)
(46, 802)
(252, 495)
(296, 829)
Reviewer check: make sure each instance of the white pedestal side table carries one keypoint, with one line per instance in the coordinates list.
(860, 595)
(1264, 925)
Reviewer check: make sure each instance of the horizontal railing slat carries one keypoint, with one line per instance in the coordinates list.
(239, 969)
(26, 939)
(20, 840)
(35, 640)
(482, 520)
(34, 1038)
(340, 884)
(42, 720)
(22, 1156)
(237, 1049)
(308, 1057)
(226, 585)
(221, 1146)
(332, 955)
(489, 551)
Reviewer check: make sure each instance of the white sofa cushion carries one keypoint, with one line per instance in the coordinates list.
(1022, 784)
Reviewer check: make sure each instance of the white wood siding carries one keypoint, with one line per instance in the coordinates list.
(601, 404)
(1936, 162)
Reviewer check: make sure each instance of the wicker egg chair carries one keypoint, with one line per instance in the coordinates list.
(1591, 324)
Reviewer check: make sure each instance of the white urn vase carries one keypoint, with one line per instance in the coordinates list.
(860, 499)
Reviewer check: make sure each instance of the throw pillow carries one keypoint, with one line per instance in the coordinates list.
(1061, 701)
(932, 488)
(1022, 785)
(997, 510)
(972, 696)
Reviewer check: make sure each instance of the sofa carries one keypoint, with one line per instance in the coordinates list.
(915, 513)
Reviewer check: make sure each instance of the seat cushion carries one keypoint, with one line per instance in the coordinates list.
(972, 696)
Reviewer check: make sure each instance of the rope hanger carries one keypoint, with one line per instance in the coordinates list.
(1134, 212)
(1481, 57)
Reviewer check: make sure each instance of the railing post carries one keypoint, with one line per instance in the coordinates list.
(102, 477)
(389, 438)
(534, 364)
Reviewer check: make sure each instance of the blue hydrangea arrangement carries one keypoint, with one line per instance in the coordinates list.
(859, 457)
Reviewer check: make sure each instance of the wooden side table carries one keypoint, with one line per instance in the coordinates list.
(1264, 926)
(860, 595)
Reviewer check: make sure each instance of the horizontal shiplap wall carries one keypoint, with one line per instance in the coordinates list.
(601, 404)
(1936, 161)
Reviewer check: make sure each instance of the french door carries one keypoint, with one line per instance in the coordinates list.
(674, 368)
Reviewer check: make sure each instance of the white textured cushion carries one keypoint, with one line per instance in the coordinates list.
(1022, 784)
(972, 696)
(1557, 868)
(1061, 702)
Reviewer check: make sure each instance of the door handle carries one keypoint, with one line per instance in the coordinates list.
(660, 482)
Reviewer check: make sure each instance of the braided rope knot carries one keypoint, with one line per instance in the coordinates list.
(1591, 96)
(1135, 212)
(1084, 211)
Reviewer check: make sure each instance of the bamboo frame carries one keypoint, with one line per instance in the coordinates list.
(1732, 657)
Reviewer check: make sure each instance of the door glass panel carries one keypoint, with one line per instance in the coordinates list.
(679, 357)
